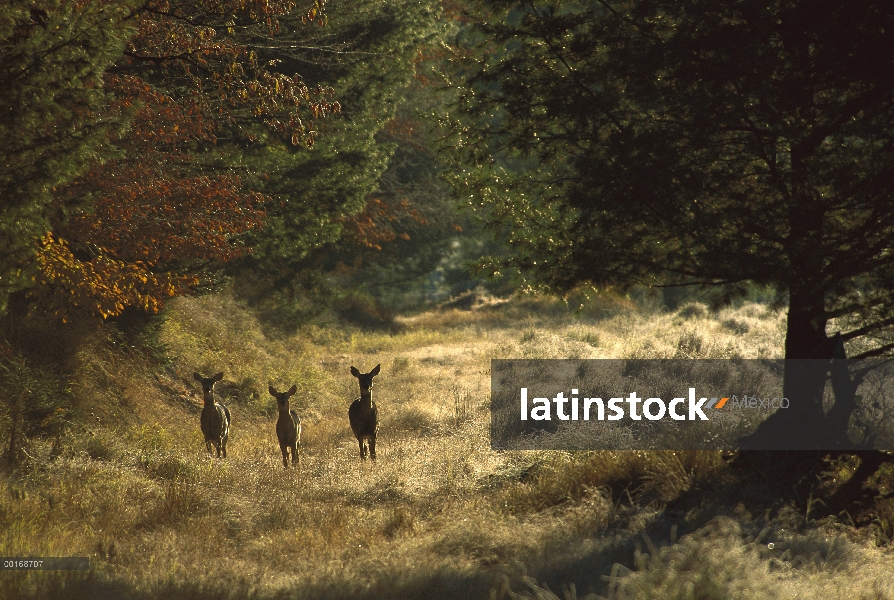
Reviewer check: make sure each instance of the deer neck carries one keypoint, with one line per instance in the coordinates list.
(284, 410)
(209, 399)
(366, 399)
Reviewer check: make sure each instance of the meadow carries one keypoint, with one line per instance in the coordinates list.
(440, 514)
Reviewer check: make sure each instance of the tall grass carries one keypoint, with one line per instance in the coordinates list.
(439, 515)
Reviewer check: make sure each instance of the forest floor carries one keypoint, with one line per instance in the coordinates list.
(440, 514)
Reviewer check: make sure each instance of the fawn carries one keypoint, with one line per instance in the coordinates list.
(288, 426)
(215, 420)
(363, 414)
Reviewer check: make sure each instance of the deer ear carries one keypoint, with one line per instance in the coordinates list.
(355, 372)
(272, 391)
(292, 390)
(218, 377)
(196, 376)
(375, 371)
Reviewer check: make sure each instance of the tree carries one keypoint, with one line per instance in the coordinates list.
(155, 219)
(321, 202)
(173, 199)
(409, 242)
(693, 142)
(53, 55)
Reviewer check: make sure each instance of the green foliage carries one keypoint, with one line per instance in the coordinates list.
(52, 58)
(366, 212)
(694, 143)
(367, 54)
(32, 403)
(616, 143)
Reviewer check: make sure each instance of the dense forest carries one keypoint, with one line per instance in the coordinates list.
(162, 147)
(280, 189)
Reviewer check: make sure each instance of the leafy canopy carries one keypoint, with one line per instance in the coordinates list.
(621, 142)
(53, 56)
(343, 199)
(170, 196)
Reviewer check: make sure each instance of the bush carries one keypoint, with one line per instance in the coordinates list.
(33, 403)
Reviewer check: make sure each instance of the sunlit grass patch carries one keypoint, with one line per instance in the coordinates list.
(440, 514)
(554, 478)
(215, 333)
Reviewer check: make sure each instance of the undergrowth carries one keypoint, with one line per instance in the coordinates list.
(440, 514)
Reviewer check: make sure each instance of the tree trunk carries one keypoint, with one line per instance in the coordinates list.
(808, 353)
(845, 389)
(13, 450)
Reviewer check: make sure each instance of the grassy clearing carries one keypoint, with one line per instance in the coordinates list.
(440, 514)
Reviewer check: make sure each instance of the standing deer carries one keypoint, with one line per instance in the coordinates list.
(288, 426)
(215, 418)
(363, 414)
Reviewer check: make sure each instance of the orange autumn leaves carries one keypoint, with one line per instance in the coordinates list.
(377, 223)
(103, 286)
(152, 221)
(200, 41)
(145, 225)
(154, 205)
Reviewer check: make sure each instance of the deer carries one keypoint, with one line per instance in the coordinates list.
(288, 426)
(363, 414)
(215, 419)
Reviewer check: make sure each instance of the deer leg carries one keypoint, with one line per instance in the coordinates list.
(285, 456)
(208, 446)
(362, 449)
(294, 454)
(372, 447)
(223, 446)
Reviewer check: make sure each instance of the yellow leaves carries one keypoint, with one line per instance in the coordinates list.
(101, 287)
(316, 14)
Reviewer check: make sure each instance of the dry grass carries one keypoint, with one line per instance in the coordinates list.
(440, 514)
